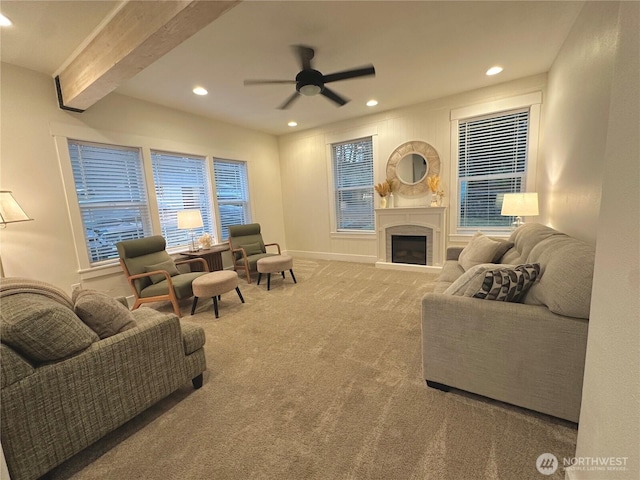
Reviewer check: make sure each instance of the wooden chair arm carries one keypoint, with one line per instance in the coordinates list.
(271, 245)
(204, 263)
(239, 250)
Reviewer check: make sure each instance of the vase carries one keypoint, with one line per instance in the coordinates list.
(391, 201)
(434, 200)
(383, 202)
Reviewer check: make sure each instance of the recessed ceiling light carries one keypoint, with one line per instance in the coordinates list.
(372, 103)
(494, 70)
(4, 21)
(200, 91)
(293, 124)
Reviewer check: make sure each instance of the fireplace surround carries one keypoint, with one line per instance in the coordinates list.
(406, 225)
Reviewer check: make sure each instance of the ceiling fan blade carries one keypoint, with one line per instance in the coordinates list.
(358, 72)
(331, 95)
(266, 82)
(305, 54)
(287, 103)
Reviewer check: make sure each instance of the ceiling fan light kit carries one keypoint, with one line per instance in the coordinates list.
(310, 82)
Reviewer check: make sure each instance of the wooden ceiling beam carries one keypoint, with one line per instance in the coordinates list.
(138, 34)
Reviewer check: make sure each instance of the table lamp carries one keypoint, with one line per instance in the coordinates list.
(188, 220)
(519, 205)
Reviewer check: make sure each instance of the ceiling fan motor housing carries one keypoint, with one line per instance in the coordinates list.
(309, 82)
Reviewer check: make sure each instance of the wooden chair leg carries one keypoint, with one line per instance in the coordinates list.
(246, 269)
(176, 307)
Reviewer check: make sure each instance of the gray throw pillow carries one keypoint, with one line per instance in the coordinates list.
(480, 249)
(468, 284)
(102, 313)
(168, 266)
(508, 284)
(253, 249)
(42, 329)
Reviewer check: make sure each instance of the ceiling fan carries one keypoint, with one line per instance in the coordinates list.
(311, 82)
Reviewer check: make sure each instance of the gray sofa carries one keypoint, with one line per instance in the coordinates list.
(74, 370)
(530, 352)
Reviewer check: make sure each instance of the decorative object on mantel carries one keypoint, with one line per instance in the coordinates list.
(384, 190)
(436, 194)
(409, 165)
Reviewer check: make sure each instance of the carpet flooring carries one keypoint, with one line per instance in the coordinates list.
(322, 380)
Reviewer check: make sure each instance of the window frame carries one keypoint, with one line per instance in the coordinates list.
(531, 101)
(378, 172)
(245, 204)
(209, 218)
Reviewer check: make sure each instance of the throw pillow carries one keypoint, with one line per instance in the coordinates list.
(168, 266)
(508, 284)
(480, 249)
(42, 329)
(505, 246)
(253, 249)
(101, 313)
(467, 284)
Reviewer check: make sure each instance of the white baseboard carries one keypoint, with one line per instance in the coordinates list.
(340, 257)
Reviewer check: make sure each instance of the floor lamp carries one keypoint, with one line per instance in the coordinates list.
(188, 220)
(519, 205)
(10, 212)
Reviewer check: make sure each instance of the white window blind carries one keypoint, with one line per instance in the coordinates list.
(232, 192)
(492, 161)
(353, 181)
(112, 197)
(181, 183)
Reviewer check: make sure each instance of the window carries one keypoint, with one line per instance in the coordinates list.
(232, 192)
(181, 183)
(492, 161)
(353, 181)
(109, 183)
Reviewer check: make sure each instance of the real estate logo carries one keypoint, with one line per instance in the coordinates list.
(547, 464)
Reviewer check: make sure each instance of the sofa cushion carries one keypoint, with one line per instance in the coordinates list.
(508, 284)
(469, 283)
(42, 329)
(168, 266)
(566, 282)
(101, 313)
(480, 249)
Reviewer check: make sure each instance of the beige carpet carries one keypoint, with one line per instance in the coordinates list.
(322, 380)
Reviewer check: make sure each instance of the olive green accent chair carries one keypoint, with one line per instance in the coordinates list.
(247, 247)
(152, 273)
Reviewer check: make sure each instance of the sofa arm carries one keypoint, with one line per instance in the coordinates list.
(14, 367)
(521, 354)
(453, 252)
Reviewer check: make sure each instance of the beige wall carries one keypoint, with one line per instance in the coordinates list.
(305, 168)
(610, 414)
(29, 166)
(575, 129)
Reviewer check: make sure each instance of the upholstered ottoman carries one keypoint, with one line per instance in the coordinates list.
(213, 285)
(275, 264)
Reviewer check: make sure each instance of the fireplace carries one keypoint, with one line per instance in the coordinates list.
(410, 249)
(420, 233)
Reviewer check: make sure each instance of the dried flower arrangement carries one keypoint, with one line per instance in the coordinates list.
(205, 240)
(384, 188)
(434, 183)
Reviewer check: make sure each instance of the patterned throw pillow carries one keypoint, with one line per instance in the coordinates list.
(508, 284)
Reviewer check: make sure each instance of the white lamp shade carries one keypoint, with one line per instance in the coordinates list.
(10, 211)
(188, 219)
(520, 204)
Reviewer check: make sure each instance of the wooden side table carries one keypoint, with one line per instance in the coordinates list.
(213, 257)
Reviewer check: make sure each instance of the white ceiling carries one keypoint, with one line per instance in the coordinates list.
(421, 50)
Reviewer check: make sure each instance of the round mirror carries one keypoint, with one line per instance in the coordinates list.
(412, 168)
(409, 166)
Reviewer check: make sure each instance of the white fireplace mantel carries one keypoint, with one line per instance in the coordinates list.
(431, 218)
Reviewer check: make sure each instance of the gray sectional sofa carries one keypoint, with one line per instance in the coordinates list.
(529, 352)
(73, 370)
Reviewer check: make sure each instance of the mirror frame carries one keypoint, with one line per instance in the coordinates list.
(433, 167)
